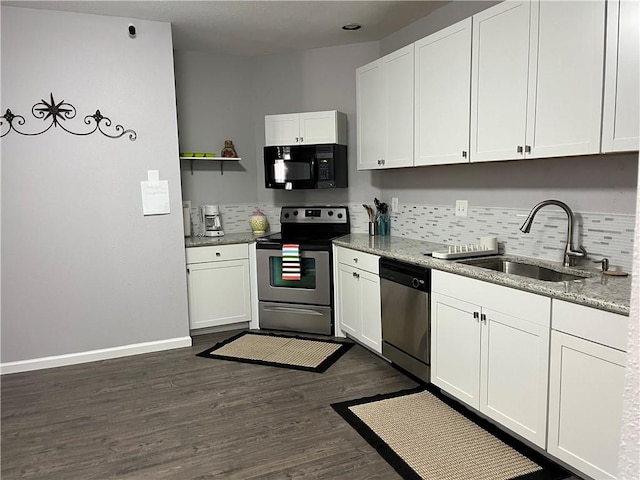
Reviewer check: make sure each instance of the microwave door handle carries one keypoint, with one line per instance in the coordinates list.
(314, 173)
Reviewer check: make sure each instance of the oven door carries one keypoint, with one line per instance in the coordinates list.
(314, 286)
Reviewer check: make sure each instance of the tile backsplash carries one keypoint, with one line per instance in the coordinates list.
(602, 235)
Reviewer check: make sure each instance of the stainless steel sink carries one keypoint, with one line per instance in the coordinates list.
(525, 270)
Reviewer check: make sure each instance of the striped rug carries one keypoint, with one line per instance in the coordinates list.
(276, 350)
(424, 435)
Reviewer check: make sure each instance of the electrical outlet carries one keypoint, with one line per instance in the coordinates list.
(461, 208)
(394, 204)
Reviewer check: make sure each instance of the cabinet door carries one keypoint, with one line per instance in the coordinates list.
(621, 126)
(586, 386)
(398, 108)
(499, 73)
(282, 129)
(565, 78)
(317, 127)
(443, 96)
(455, 348)
(371, 334)
(349, 301)
(370, 115)
(514, 366)
(219, 293)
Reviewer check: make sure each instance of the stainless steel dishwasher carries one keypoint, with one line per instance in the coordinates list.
(406, 323)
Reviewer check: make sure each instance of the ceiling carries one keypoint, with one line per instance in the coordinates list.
(255, 28)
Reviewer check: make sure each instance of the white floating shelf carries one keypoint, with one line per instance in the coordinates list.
(220, 159)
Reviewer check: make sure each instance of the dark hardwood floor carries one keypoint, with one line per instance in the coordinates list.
(172, 415)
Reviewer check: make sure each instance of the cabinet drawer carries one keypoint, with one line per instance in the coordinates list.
(356, 259)
(517, 303)
(216, 253)
(602, 327)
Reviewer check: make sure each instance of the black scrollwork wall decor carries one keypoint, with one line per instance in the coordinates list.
(59, 112)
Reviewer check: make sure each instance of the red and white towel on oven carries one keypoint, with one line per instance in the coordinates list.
(290, 261)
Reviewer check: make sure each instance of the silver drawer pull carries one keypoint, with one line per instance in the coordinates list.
(218, 254)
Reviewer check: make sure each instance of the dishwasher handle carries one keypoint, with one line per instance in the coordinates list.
(406, 274)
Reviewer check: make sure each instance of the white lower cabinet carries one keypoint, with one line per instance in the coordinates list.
(218, 285)
(586, 386)
(490, 349)
(358, 297)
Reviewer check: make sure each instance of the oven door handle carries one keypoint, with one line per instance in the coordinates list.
(304, 311)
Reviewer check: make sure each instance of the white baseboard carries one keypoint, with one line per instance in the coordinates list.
(93, 355)
(219, 328)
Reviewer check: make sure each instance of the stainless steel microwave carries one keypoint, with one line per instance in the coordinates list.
(305, 166)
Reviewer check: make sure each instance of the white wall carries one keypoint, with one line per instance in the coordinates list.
(214, 94)
(597, 183)
(82, 268)
(444, 16)
(312, 80)
(222, 96)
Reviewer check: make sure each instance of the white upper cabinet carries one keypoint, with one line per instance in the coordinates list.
(499, 81)
(385, 111)
(565, 78)
(537, 79)
(370, 115)
(282, 129)
(620, 125)
(308, 128)
(443, 96)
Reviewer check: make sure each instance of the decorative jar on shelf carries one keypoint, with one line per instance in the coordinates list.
(258, 222)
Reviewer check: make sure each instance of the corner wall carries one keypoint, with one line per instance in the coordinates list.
(82, 268)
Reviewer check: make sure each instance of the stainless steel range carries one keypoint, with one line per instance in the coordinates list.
(304, 305)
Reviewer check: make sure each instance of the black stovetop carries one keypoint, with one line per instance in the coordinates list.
(309, 226)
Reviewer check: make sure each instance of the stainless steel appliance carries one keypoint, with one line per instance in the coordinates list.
(210, 217)
(304, 305)
(305, 166)
(406, 323)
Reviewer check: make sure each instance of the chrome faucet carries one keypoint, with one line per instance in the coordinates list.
(570, 254)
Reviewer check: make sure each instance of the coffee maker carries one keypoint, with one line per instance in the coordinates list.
(210, 217)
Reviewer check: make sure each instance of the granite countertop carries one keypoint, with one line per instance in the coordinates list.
(603, 292)
(227, 239)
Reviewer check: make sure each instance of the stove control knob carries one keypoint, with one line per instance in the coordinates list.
(295, 212)
(339, 215)
(331, 213)
(286, 215)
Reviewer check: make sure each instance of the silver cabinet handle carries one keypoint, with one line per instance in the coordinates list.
(527, 149)
(218, 254)
(464, 154)
(297, 139)
(355, 260)
(383, 161)
(301, 139)
(483, 318)
(519, 148)
(476, 315)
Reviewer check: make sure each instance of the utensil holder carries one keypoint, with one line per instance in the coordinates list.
(373, 228)
(384, 225)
